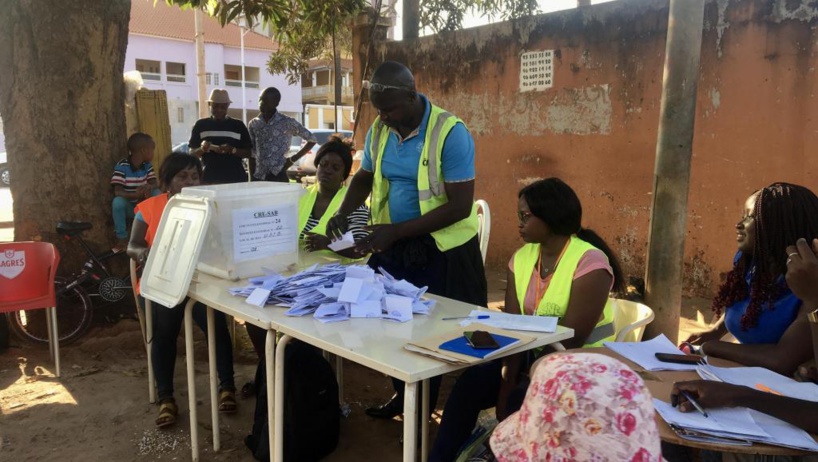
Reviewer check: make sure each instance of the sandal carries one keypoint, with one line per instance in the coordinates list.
(227, 401)
(167, 413)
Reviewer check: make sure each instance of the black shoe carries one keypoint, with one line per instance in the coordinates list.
(394, 407)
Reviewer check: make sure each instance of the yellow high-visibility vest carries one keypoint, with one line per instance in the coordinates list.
(555, 300)
(431, 192)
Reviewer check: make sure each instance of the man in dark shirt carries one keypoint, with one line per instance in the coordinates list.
(221, 142)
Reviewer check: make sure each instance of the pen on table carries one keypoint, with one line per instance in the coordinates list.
(694, 403)
(763, 387)
(482, 316)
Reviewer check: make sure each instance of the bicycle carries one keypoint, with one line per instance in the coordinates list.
(74, 294)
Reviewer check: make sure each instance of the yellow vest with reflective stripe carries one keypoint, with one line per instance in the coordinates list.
(556, 297)
(305, 205)
(431, 192)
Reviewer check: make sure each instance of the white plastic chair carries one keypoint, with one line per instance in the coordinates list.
(630, 319)
(483, 226)
(146, 324)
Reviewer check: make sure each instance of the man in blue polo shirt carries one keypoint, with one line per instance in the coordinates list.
(418, 166)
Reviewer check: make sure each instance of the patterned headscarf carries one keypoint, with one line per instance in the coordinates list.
(581, 407)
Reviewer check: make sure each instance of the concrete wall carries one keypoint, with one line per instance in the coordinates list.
(596, 127)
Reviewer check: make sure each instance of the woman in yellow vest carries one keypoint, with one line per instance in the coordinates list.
(563, 270)
(333, 163)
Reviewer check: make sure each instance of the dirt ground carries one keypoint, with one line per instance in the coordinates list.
(98, 410)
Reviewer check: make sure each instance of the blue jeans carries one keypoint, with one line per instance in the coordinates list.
(167, 322)
(122, 211)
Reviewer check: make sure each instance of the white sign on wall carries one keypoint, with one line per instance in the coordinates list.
(536, 70)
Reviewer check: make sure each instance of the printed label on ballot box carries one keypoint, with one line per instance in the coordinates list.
(262, 232)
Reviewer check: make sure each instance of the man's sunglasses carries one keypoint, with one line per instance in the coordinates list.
(379, 87)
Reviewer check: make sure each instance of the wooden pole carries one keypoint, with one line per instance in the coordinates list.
(200, 64)
(663, 279)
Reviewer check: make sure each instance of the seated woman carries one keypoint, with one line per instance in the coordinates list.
(564, 270)
(760, 310)
(177, 171)
(333, 164)
(581, 406)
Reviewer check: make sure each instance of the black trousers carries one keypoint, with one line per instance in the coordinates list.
(167, 322)
(457, 273)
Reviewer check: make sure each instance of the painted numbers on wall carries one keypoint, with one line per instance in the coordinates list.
(536, 70)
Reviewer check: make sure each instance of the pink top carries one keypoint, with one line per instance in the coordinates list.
(591, 260)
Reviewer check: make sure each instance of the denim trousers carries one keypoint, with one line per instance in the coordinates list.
(122, 211)
(167, 322)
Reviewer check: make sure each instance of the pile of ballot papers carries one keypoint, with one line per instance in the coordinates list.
(337, 292)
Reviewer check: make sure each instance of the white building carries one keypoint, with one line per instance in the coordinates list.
(161, 46)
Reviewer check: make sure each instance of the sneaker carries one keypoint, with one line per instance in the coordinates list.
(120, 246)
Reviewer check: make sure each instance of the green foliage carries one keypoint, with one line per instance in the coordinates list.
(304, 28)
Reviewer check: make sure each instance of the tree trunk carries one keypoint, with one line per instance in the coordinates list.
(62, 103)
(338, 84)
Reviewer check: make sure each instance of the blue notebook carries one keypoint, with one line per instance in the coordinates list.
(461, 345)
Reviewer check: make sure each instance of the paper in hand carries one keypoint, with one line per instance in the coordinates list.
(346, 241)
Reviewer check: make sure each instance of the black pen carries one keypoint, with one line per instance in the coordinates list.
(694, 403)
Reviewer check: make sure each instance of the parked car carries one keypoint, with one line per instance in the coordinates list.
(5, 179)
(182, 147)
(306, 165)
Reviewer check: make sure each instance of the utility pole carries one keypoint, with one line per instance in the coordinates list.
(411, 19)
(242, 22)
(336, 71)
(663, 279)
(200, 63)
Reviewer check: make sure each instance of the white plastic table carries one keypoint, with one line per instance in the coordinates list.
(374, 343)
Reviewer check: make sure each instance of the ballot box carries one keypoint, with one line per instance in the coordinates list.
(230, 231)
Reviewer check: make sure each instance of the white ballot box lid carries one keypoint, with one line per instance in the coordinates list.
(175, 250)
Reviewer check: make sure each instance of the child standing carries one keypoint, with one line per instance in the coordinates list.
(133, 181)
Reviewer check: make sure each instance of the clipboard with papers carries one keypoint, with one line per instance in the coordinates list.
(431, 346)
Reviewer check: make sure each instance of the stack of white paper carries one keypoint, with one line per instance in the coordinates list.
(644, 354)
(764, 380)
(738, 423)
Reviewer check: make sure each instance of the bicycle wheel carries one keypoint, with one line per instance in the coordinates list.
(74, 315)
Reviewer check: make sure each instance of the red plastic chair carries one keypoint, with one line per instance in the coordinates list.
(27, 271)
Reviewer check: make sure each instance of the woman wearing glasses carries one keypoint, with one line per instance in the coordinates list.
(563, 270)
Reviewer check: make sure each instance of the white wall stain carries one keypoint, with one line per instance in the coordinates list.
(806, 11)
(715, 98)
(722, 24)
(576, 111)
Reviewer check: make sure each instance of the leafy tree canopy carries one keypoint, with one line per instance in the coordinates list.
(304, 28)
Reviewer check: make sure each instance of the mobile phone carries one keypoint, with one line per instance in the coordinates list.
(680, 359)
(480, 339)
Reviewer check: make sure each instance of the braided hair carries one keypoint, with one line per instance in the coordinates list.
(783, 213)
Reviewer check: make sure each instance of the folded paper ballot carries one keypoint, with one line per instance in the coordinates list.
(442, 347)
(346, 241)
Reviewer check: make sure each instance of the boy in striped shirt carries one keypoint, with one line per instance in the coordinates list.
(133, 181)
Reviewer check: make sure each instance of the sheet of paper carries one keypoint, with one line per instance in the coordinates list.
(783, 434)
(721, 422)
(422, 306)
(346, 241)
(351, 290)
(644, 353)
(365, 309)
(258, 297)
(331, 312)
(510, 321)
(261, 232)
(360, 272)
(331, 292)
(759, 377)
(398, 308)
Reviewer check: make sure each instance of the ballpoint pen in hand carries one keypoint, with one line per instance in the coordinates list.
(694, 403)
(482, 316)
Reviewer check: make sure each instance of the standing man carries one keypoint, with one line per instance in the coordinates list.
(270, 134)
(419, 167)
(221, 142)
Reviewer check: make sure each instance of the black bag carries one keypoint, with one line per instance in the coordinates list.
(312, 417)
